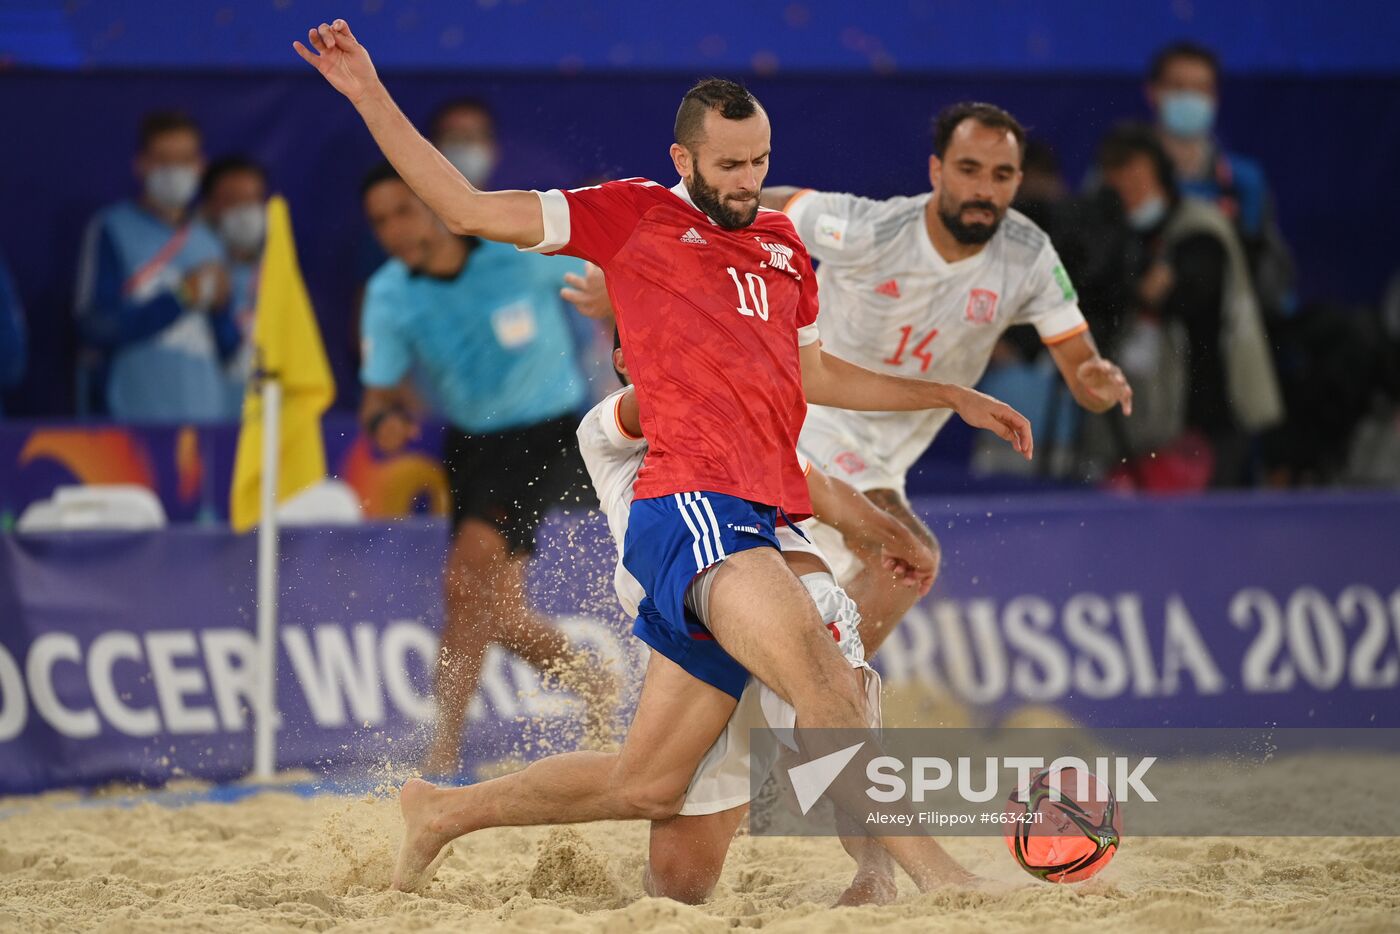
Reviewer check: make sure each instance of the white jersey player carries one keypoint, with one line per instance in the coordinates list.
(688, 852)
(923, 287)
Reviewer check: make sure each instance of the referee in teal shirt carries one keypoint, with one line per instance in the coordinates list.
(479, 329)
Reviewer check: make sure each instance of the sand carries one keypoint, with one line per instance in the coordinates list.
(279, 862)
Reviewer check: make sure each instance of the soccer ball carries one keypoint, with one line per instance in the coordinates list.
(1073, 838)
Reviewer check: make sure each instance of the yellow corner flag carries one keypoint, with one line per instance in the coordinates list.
(289, 349)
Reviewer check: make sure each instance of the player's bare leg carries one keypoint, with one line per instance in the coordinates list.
(467, 634)
(874, 882)
(686, 854)
(486, 602)
(646, 780)
(762, 616)
(883, 600)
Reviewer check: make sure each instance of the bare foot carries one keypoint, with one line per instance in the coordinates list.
(948, 876)
(869, 888)
(960, 878)
(423, 848)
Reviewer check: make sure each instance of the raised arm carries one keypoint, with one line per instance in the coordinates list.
(507, 216)
(828, 380)
(776, 198)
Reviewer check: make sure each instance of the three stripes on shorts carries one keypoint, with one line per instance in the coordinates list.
(704, 528)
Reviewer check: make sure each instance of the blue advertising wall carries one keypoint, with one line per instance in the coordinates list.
(127, 655)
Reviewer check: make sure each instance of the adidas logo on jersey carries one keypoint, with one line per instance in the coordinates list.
(693, 236)
(889, 288)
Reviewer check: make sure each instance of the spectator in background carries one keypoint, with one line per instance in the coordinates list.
(233, 202)
(14, 344)
(1193, 296)
(151, 282)
(482, 327)
(1183, 88)
(1043, 194)
(464, 130)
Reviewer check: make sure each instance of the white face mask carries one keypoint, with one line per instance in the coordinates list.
(172, 186)
(474, 160)
(244, 227)
(1188, 114)
(1148, 214)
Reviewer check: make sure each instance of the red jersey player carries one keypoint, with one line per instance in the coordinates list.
(723, 351)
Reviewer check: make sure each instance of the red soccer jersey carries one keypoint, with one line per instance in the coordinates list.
(711, 320)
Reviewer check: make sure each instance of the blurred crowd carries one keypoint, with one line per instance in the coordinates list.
(1171, 241)
(1173, 244)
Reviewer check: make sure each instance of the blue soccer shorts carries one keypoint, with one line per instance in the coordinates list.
(670, 540)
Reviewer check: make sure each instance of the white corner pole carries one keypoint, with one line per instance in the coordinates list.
(265, 723)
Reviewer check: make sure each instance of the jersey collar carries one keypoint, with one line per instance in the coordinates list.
(680, 191)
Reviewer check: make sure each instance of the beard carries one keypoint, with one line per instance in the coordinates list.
(708, 200)
(970, 234)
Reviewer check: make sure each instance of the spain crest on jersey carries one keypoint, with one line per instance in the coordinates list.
(981, 306)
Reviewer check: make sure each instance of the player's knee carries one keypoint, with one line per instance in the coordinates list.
(846, 692)
(652, 799)
(678, 875)
(827, 693)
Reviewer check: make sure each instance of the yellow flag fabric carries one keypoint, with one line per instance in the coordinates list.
(288, 348)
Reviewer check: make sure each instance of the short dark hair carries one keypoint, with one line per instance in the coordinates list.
(1127, 141)
(159, 122)
(1182, 49)
(459, 103)
(989, 115)
(229, 165)
(383, 172)
(731, 99)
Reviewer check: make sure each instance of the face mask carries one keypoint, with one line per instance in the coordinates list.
(474, 160)
(1187, 113)
(244, 227)
(1148, 214)
(172, 186)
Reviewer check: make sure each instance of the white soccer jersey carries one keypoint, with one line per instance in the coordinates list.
(890, 302)
(613, 458)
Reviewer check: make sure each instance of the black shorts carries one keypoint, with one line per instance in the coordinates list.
(512, 478)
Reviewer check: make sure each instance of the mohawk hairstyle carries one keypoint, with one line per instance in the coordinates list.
(731, 99)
